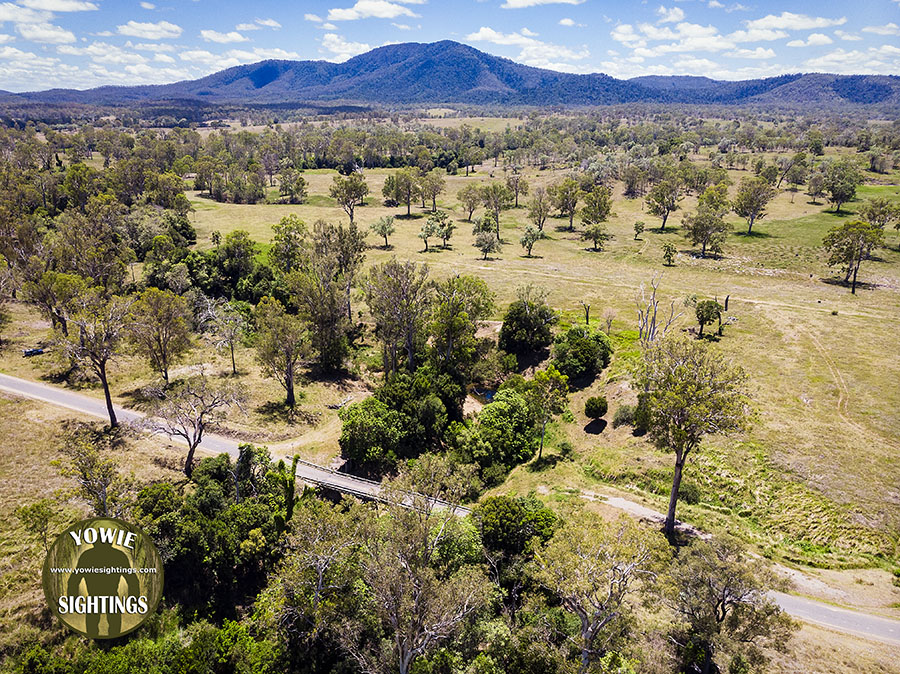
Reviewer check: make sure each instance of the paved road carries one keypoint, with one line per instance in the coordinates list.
(843, 620)
(216, 444)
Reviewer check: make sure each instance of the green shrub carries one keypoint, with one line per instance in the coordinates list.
(596, 407)
(624, 416)
(580, 352)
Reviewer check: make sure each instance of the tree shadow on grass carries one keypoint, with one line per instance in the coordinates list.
(595, 427)
(860, 285)
(546, 462)
(411, 216)
(279, 411)
(755, 235)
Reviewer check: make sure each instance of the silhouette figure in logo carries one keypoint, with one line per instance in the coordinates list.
(101, 555)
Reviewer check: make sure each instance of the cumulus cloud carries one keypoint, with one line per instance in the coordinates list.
(315, 18)
(102, 52)
(533, 52)
(849, 37)
(673, 15)
(791, 21)
(757, 35)
(59, 5)
(367, 9)
(148, 5)
(883, 60)
(223, 38)
(247, 26)
(150, 46)
(17, 14)
(340, 49)
(401, 26)
(521, 4)
(150, 31)
(566, 22)
(758, 53)
(814, 40)
(45, 32)
(269, 23)
(887, 29)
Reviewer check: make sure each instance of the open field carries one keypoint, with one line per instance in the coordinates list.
(822, 362)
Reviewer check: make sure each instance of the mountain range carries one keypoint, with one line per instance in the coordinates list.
(450, 72)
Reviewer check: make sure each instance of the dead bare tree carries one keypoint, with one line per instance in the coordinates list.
(651, 324)
(186, 410)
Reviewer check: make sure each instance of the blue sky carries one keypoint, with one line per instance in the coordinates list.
(86, 43)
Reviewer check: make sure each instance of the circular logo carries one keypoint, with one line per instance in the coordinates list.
(103, 577)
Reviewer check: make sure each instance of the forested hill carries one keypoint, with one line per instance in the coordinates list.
(449, 72)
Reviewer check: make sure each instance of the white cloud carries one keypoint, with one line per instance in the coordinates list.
(849, 37)
(887, 29)
(4, 38)
(757, 35)
(59, 5)
(688, 37)
(814, 40)
(45, 32)
(150, 31)
(102, 52)
(269, 23)
(223, 38)
(401, 26)
(714, 4)
(148, 5)
(247, 26)
(758, 53)
(17, 14)
(883, 60)
(315, 18)
(261, 53)
(521, 4)
(340, 49)
(367, 9)
(163, 58)
(533, 52)
(673, 15)
(790, 21)
(150, 46)
(566, 22)
(328, 26)
(626, 34)
(528, 33)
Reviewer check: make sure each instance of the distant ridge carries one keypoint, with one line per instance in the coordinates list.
(450, 72)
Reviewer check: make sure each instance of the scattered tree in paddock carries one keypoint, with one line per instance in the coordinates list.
(849, 244)
(431, 185)
(383, 227)
(841, 177)
(158, 328)
(98, 479)
(707, 312)
(428, 230)
(487, 243)
(539, 207)
(669, 252)
(530, 237)
(880, 212)
(691, 392)
(349, 192)
(548, 394)
(753, 195)
(470, 199)
(517, 184)
(662, 199)
(281, 343)
(638, 229)
(564, 197)
(443, 227)
(496, 197)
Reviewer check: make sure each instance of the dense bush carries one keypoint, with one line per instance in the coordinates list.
(596, 407)
(580, 352)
